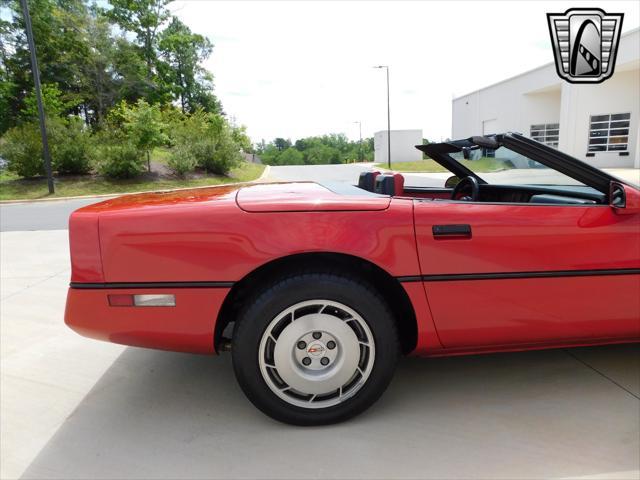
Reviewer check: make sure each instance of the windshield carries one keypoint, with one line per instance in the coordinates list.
(506, 167)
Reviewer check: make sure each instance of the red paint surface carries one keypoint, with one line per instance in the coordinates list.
(303, 197)
(526, 238)
(187, 327)
(204, 235)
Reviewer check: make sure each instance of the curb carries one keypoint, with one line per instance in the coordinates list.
(265, 174)
(262, 177)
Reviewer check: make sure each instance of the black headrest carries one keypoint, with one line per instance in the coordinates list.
(390, 184)
(367, 180)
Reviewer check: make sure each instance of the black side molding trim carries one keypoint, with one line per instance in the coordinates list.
(95, 286)
(414, 278)
(506, 275)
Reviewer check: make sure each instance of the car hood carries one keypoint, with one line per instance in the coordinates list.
(307, 196)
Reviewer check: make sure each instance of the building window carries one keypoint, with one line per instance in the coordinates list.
(546, 133)
(609, 133)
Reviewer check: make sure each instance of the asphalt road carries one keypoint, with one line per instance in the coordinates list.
(47, 215)
(54, 214)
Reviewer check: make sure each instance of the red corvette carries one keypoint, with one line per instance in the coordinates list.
(317, 289)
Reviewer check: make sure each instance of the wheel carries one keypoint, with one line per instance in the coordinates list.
(315, 349)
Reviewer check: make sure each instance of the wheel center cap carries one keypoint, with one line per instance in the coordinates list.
(316, 349)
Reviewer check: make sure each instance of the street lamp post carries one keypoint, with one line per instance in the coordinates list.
(360, 148)
(388, 117)
(36, 83)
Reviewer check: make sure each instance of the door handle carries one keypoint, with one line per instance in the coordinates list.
(451, 231)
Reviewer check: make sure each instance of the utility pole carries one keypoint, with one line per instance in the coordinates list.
(360, 128)
(388, 117)
(36, 83)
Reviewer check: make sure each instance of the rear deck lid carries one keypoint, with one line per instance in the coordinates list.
(307, 196)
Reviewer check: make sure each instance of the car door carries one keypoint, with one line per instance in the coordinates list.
(506, 274)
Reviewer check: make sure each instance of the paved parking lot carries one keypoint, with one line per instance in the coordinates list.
(77, 408)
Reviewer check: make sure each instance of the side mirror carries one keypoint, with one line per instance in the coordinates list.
(451, 182)
(624, 199)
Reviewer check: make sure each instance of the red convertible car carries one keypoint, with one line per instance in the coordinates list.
(317, 289)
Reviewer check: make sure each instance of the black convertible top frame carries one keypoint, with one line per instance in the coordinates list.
(539, 152)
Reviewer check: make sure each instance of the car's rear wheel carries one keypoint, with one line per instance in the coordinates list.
(315, 349)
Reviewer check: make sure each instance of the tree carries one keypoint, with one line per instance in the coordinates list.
(183, 51)
(144, 18)
(99, 72)
(321, 154)
(291, 156)
(54, 105)
(142, 125)
(59, 32)
(282, 144)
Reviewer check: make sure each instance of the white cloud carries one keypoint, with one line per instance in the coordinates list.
(296, 69)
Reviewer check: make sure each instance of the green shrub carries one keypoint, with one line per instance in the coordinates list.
(71, 147)
(210, 140)
(21, 146)
(291, 156)
(122, 160)
(216, 157)
(182, 160)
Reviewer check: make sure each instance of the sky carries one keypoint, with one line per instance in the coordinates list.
(297, 69)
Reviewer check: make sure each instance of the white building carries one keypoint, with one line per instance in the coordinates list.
(403, 146)
(596, 123)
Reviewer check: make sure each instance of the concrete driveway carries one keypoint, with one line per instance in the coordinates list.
(77, 408)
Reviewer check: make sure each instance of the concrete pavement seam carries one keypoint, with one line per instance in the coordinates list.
(34, 284)
(578, 359)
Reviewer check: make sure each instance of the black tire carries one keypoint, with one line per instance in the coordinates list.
(261, 310)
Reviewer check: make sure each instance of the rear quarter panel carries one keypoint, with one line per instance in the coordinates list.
(225, 243)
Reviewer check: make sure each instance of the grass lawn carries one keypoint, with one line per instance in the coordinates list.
(481, 165)
(14, 188)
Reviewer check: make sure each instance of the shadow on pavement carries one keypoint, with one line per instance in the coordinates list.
(534, 414)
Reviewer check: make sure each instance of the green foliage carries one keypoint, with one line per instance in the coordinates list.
(120, 160)
(281, 144)
(182, 160)
(210, 140)
(239, 135)
(269, 154)
(291, 156)
(144, 18)
(326, 149)
(71, 147)
(22, 148)
(93, 56)
(54, 104)
(182, 51)
(141, 125)
(6, 95)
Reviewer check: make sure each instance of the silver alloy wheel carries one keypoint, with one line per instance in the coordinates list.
(316, 354)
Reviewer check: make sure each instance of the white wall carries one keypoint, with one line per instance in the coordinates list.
(512, 105)
(403, 144)
(540, 96)
(619, 94)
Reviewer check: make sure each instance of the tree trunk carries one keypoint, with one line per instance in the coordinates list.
(148, 161)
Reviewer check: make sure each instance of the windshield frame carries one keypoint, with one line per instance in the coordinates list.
(543, 154)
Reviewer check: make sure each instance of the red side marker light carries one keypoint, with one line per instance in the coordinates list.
(148, 300)
(120, 300)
